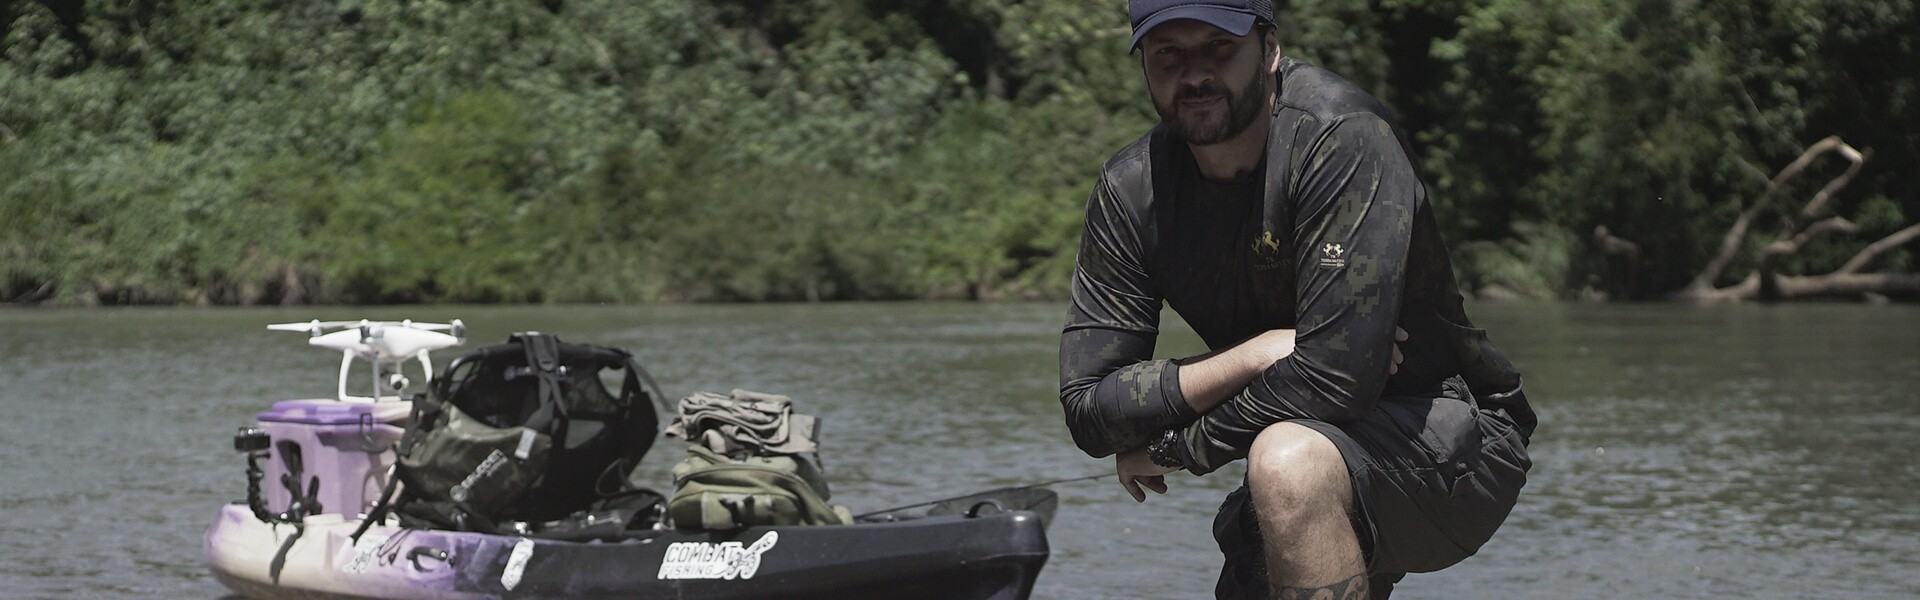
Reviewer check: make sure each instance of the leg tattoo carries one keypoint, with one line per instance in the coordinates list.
(1353, 588)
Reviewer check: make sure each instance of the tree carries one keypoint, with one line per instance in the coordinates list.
(1800, 228)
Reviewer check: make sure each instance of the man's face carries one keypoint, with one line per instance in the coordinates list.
(1207, 84)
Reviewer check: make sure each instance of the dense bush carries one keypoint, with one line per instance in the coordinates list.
(233, 151)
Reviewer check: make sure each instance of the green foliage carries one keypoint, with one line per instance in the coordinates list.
(1663, 119)
(993, 227)
(1537, 262)
(435, 216)
(226, 151)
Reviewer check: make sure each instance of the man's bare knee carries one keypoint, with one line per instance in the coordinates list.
(1296, 473)
(1302, 494)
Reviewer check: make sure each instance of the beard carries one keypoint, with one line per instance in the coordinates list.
(1198, 130)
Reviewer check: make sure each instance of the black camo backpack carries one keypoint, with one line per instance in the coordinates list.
(524, 431)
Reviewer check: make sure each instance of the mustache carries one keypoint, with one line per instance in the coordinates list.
(1197, 92)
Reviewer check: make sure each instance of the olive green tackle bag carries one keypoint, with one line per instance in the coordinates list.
(715, 492)
(750, 461)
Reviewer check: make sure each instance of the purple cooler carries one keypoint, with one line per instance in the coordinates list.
(344, 444)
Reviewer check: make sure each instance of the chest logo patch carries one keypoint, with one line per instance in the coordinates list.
(1266, 253)
(1331, 256)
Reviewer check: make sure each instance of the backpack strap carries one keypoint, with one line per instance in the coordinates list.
(647, 406)
(423, 408)
(636, 376)
(543, 356)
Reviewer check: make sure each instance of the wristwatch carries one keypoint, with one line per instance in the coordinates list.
(1161, 451)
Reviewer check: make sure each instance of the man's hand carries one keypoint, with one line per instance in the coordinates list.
(1136, 471)
(1252, 355)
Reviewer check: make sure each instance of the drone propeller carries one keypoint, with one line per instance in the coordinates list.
(429, 326)
(382, 341)
(316, 327)
(313, 328)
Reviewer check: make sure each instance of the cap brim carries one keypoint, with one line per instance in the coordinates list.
(1229, 20)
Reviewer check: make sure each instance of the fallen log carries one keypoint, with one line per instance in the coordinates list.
(1802, 227)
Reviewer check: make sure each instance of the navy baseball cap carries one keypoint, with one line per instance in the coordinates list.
(1234, 16)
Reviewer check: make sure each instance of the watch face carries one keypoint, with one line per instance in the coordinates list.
(1161, 450)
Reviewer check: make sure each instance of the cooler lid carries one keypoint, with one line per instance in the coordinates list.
(326, 412)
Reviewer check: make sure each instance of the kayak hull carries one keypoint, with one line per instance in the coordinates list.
(996, 556)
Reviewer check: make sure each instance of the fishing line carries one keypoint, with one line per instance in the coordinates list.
(1060, 481)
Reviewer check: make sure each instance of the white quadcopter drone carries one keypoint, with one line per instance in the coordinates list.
(387, 345)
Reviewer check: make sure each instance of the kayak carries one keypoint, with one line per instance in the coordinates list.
(988, 554)
(317, 468)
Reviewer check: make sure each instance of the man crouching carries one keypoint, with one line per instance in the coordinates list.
(1276, 208)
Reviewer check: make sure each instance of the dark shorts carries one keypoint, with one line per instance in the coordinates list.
(1433, 477)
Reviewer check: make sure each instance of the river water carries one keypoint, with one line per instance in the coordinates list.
(1747, 451)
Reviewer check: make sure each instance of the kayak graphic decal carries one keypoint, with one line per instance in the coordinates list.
(711, 560)
(362, 553)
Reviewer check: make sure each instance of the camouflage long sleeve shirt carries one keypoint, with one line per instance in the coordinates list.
(1336, 240)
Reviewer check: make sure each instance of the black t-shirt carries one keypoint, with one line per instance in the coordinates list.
(1217, 272)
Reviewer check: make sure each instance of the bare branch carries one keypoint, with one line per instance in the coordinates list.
(1803, 227)
(1729, 245)
(1819, 201)
(1747, 289)
(1737, 234)
(1806, 158)
(38, 294)
(1897, 239)
(1800, 229)
(1753, 110)
(1792, 245)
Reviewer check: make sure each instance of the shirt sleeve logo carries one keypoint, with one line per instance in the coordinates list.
(1330, 256)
